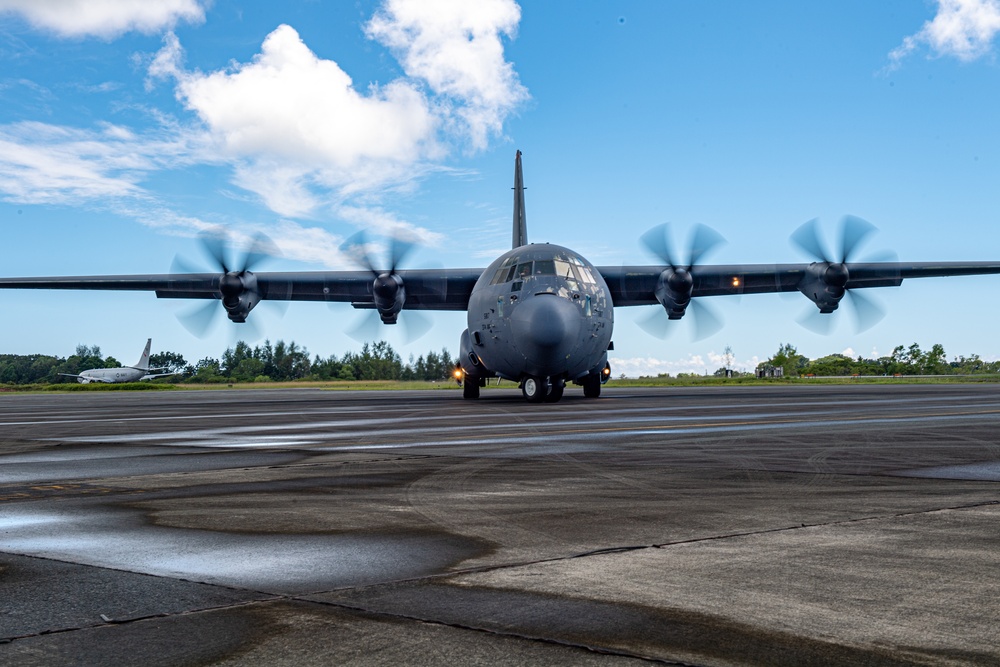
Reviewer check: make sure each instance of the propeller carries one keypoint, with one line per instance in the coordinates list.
(676, 284)
(825, 282)
(238, 287)
(388, 291)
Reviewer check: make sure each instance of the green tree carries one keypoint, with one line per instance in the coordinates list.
(171, 362)
(207, 371)
(934, 362)
(247, 370)
(789, 359)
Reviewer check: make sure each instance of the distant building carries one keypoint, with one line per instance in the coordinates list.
(769, 371)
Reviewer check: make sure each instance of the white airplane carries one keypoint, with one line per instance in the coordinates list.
(140, 371)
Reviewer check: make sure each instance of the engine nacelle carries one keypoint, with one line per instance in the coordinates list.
(673, 291)
(389, 295)
(823, 284)
(239, 294)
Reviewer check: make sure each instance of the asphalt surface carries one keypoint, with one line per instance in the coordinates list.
(803, 525)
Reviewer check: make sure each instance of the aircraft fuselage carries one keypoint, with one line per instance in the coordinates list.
(111, 375)
(541, 312)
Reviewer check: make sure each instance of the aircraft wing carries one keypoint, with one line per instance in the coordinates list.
(635, 285)
(426, 289)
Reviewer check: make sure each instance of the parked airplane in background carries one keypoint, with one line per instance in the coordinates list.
(540, 315)
(140, 371)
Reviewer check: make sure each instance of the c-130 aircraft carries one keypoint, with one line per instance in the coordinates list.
(540, 314)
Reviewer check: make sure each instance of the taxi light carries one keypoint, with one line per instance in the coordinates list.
(736, 281)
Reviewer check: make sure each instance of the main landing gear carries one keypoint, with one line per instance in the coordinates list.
(470, 389)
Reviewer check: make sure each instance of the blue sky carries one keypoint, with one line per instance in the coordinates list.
(126, 128)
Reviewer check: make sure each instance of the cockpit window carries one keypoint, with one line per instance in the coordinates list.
(567, 267)
(585, 275)
(545, 267)
(564, 270)
(506, 271)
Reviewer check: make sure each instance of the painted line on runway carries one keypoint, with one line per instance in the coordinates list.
(592, 434)
(254, 437)
(57, 419)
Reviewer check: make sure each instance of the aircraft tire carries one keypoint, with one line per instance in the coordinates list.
(555, 391)
(470, 389)
(534, 389)
(592, 386)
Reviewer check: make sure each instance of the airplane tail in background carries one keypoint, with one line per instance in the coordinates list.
(520, 236)
(143, 363)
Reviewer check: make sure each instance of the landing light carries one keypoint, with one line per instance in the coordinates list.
(736, 281)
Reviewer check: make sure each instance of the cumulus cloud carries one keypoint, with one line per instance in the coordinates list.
(302, 136)
(292, 105)
(456, 47)
(297, 131)
(963, 29)
(105, 18)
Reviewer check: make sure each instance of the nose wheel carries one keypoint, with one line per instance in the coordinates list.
(539, 389)
(535, 389)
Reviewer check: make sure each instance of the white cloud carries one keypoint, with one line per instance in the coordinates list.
(290, 104)
(695, 363)
(291, 126)
(105, 18)
(303, 138)
(48, 164)
(296, 129)
(385, 223)
(456, 47)
(961, 28)
(105, 168)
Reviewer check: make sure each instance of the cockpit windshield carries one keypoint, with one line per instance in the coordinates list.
(567, 267)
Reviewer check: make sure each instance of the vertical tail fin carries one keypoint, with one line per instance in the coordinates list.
(520, 236)
(143, 363)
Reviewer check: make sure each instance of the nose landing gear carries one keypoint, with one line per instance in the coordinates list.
(539, 389)
(534, 389)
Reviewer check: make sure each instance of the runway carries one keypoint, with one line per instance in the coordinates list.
(820, 525)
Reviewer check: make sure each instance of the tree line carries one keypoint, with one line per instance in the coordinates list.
(902, 361)
(280, 362)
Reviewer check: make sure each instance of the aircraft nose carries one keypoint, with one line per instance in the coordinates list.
(546, 328)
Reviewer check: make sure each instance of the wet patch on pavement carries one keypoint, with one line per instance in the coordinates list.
(672, 634)
(280, 563)
(987, 471)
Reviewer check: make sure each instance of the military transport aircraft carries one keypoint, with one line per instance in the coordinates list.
(140, 371)
(540, 315)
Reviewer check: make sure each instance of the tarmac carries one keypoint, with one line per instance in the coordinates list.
(784, 525)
